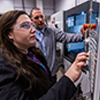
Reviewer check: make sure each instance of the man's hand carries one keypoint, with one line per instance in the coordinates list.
(83, 31)
(89, 28)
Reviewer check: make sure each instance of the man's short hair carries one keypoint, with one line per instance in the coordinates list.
(35, 8)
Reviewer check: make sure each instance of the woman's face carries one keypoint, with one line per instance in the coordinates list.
(23, 34)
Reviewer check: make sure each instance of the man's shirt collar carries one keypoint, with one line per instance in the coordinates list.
(38, 32)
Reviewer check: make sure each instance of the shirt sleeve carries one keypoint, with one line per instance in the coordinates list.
(64, 89)
(67, 37)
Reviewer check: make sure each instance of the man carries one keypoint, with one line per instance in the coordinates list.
(46, 39)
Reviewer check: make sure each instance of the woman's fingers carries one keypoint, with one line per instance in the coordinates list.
(81, 64)
(82, 56)
(75, 70)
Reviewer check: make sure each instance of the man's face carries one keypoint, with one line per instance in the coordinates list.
(38, 19)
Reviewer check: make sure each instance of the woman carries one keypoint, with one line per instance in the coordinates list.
(24, 74)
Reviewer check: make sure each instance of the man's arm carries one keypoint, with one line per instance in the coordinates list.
(67, 37)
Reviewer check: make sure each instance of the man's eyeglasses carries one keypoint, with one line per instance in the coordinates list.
(37, 17)
(25, 25)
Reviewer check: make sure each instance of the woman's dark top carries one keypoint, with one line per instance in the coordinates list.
(15, 90)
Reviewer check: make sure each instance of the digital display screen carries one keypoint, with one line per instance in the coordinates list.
(75, 22)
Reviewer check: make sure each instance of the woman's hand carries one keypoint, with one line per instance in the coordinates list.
(75, 70)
